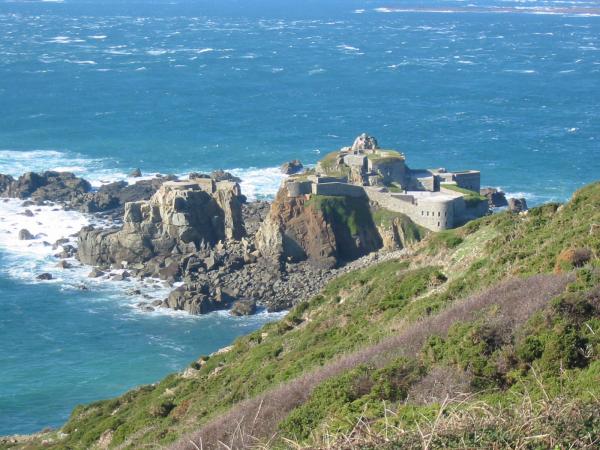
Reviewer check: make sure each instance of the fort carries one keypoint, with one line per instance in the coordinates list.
(436, 199)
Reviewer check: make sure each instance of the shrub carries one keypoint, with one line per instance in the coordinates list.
(572, 258)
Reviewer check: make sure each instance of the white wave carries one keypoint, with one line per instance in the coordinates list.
(358, 11)
(348, 48)
(98, 37)
(524, 71)
(205, 50)
(90, 63)
(316, 71)
(259, 184)
(156, 52)
(24, 260)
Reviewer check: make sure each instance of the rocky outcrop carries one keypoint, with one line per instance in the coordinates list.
(323, 230)
(495, 197)
(46, 186)
(181, 217)
(292, 167)
(517, 205)
(196, 299)
(394, 235)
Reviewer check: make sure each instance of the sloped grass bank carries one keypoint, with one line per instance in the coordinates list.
(379, 337)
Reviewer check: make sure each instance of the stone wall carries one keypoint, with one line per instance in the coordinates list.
(468, 180)
(339, 189)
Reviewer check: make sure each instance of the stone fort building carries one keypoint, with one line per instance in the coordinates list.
(436, 199)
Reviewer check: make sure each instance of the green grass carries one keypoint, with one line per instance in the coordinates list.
(385, 156)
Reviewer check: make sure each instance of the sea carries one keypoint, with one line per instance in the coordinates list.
(101, 87)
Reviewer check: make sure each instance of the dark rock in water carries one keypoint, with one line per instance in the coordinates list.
(5, 182)
(82, 287)
(116, 195)
(63, 265)
(48, 186)
(136, 173)
(59, 242)
(27, 213)
(517, 205)
(25, 235)
(244, 307)
(292, 167)
(95, 273)
(68, 251)
(124, 276)
(44, 277)
(196, 175)
(221, 175)
(495, 197)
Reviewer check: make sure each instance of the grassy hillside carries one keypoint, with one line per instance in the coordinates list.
(485, 336)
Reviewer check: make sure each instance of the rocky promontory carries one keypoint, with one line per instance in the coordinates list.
(213, 248)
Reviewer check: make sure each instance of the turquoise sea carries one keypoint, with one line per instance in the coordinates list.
(100, 87)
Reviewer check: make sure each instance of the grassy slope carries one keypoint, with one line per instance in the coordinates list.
(372, 306)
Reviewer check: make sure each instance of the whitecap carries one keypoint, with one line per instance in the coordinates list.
(259, 183)
(316, 71)
(156, 52)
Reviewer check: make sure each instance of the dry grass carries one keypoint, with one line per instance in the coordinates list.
(253, 423)
(463, 423)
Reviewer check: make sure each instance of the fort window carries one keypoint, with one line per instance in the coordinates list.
(438, 224)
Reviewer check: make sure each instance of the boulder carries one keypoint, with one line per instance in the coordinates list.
(194, 299)
(25, 235)
(245, 307)
(221, 175)
(517, 205)
(495, 197)
(6, 182)
(136, 173)
(292, 167)
(44, 276)
(95, 273)
(63, 265)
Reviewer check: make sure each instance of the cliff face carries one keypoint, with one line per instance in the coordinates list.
(324, 230)
(180, 217)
